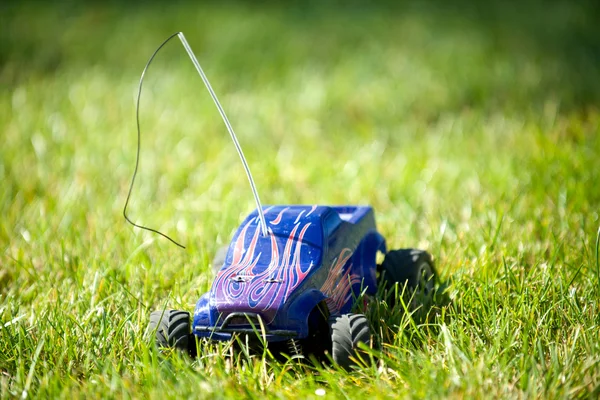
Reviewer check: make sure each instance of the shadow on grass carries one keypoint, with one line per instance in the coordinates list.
(396, 324)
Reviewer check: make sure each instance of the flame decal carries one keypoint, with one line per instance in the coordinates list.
(337, 287)
(265, 271)
(312, 210)
(283, 266)
(277, 220)
(299, 216)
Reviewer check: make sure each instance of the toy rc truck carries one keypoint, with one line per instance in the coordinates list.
(292, 275)
(299, 283)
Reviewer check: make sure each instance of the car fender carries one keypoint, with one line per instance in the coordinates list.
(202, 311)
(300, 309)
(366, 257)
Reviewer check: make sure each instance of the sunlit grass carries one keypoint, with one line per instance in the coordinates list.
(473, 138)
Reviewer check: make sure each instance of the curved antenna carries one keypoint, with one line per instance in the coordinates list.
(261, 215)
(137, 158)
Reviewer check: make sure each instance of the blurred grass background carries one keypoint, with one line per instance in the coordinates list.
(473, 129)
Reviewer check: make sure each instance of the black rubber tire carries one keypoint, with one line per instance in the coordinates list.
(413, 268)
(171, 329)
(347, 331)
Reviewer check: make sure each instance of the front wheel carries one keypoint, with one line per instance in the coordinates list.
(347, 331)
(171, 329)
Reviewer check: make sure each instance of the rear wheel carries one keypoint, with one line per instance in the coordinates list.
(347, 331)
(171, 329)
(411, 268)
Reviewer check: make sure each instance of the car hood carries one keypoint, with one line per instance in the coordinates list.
(261, 272)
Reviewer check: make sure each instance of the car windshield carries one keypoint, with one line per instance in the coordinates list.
(295, 239)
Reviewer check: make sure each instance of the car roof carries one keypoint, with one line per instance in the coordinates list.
(295, 236)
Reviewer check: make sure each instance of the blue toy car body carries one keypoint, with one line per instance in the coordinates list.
(312, 255)
(297, 284)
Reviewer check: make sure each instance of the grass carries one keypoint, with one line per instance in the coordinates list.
(473, 132)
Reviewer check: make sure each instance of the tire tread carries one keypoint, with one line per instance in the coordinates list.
(172, 329)
(347, 331)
